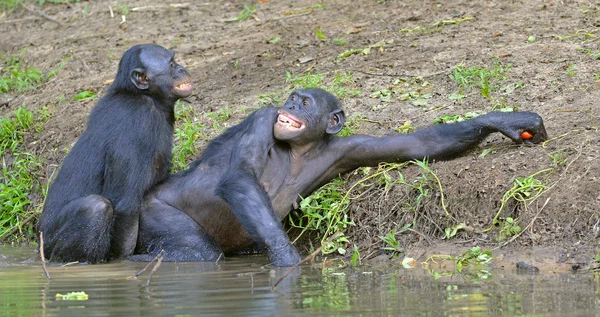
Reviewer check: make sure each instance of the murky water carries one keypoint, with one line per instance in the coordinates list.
(243, 287)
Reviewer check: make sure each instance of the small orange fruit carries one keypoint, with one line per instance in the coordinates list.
(526, 135)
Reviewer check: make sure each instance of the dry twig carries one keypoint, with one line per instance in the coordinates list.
(133, 277)
(42, 255)
(42, 14)
(154, 270)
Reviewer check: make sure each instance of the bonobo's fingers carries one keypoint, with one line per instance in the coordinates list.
(521, 127)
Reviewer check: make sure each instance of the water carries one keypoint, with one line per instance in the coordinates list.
(242, 286)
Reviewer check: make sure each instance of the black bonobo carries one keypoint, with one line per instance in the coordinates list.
(92, 210)
(252, 176)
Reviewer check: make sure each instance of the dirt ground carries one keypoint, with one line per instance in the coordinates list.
(552, 46)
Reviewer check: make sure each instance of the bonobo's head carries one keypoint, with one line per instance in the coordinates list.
(307, 116)
(151, 69)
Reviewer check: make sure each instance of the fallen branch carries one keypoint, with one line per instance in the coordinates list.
(133, 277)
(160, 7)
(19, 20)
(42, 14)
(17, 228)
(154, 270)
(42, 255)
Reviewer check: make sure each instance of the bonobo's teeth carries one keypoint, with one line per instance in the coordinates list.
(288, 122)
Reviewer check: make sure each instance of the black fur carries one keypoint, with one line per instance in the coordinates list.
(92, 209)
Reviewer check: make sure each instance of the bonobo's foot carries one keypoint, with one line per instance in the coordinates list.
(284, 256)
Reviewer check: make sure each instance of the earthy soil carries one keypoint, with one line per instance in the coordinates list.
(233, 63)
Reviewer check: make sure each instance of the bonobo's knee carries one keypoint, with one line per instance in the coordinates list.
(83, 234)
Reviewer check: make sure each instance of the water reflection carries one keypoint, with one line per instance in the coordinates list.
(242, 287)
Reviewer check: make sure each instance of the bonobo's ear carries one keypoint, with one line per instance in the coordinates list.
(139, 78)
(336, 121)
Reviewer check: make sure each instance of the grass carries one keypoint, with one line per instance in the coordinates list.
(414, 91)
(245, 14)
(16, 76)
(324, 212)
(341, 85)
(453, 118)
(363, 51)
(20, 186)
(524, 189)
(482, 78)
(391, 243)
(187, 131)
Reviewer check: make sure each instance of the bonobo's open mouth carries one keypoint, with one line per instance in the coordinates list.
(289, 122)
(184, 88)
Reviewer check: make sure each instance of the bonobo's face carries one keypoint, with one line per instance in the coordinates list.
(307, 116)
(165, 77)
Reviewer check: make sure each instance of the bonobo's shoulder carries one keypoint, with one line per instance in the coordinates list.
(266, 112)
(266, 115)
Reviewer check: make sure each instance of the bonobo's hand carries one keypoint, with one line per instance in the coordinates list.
(284, 256)
(513, 124)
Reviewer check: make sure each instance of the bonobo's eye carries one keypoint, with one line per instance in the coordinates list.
(293, 97)
(305, 104)
(172, 64)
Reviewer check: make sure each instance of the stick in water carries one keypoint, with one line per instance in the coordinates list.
(154, 270)
(147, 266)
(42, 255)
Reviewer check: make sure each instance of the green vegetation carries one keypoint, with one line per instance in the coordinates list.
(324, 212)
(509, 228)
(366, 50)
(20, 186)
(340, 42)
(435, 27)
(405, 128)
(355, 258)
(415, 91)
(340, 86)
(320, 35)
(453, 118)
(472, 257)
(274, 40)
(245, 14)
(9, 4)
(17, 76)
(86, 94)
(72, 296)
(187, 131)
(524, 189)
(391, 243)
(482, 78)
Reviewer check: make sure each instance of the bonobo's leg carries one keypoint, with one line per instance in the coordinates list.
(163, 227)
(82, 233)
(252, 207)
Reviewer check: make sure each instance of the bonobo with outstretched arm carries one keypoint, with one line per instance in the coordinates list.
(252, 176)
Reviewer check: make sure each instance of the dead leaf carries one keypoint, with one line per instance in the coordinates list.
(305, 59)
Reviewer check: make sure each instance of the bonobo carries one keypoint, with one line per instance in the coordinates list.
(252, 176)
(92, 210)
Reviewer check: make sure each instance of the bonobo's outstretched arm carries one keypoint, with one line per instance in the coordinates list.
(443, 141)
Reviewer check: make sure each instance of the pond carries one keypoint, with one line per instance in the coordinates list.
(242, 286)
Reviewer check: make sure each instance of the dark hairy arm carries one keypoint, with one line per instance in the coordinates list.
(445, 141)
